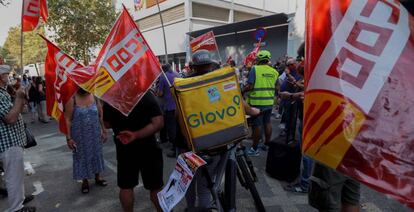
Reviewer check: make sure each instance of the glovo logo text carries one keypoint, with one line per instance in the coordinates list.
(209, 117)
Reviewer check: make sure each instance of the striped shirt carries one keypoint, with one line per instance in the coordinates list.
(10, 134)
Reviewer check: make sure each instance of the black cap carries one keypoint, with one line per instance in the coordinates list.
(166, 67)
(202, 57)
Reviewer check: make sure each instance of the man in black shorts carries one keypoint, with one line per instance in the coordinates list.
(136, 149)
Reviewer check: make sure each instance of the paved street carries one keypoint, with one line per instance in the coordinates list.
(51, 182)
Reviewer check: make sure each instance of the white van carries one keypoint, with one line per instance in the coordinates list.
(30, 70)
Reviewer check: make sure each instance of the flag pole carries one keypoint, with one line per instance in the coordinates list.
(163, 32)
(162, 71)
(21, 40)
(165, 44)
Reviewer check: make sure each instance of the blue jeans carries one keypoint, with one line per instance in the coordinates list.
(307, 163)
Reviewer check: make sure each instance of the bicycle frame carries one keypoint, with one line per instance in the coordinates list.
(228, 167)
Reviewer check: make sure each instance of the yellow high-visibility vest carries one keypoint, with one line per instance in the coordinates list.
(263, 93)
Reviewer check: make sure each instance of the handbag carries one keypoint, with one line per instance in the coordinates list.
(30, 139)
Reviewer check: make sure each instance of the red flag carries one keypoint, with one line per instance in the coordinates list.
(230, 58)
(124, 70)
(359, 97)
(32, 10)
(252, 55)
(206, 41)
(59, 87)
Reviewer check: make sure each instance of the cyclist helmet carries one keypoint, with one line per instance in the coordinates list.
(263, 55)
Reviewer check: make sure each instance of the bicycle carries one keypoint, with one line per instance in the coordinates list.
(233, 162)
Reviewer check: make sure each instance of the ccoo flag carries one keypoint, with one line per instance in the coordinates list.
(59, 88)
(32, 11)
(205, 41)
(252, 55)
(124, 70)
(360, 92)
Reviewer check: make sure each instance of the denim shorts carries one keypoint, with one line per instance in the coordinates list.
(264, 117)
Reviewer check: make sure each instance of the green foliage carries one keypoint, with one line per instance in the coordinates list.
(4, 2)
(4, 52)
(80, 26)
(34, 49)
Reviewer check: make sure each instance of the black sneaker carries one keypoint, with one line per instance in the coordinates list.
(28, 198)
(3, 192)
(27, 209)
(171, 154)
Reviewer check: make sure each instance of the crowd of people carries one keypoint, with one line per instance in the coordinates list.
(269, 90)
(35, 92)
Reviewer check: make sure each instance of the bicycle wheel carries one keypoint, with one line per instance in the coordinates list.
(250, 184)
(251, 168)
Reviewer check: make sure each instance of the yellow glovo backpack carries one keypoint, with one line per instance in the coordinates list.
(210, 107)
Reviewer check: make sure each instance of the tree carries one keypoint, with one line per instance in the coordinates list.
(34, 49)
(4, 2)
(80, 26)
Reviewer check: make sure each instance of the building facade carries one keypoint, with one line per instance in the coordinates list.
(183, 18)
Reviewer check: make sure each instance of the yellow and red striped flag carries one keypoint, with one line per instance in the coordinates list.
(59, 87)
(32, 11)
(125, 68)
(359, 97)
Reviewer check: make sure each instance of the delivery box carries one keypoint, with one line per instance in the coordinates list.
(210, 108)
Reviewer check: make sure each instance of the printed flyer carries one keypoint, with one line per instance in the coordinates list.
(180, 180)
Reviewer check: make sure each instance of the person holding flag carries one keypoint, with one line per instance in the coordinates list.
(122, 76)
(136, 148)
(85, 136)
(12, 141)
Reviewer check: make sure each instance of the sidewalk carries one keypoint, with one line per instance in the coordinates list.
(55, 190)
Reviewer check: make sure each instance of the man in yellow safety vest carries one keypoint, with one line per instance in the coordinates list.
(262, 87)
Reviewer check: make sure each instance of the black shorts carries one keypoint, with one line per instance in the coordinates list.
(136, 157)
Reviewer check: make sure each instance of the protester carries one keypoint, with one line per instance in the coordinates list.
(186, 70)
(306, 166)
(86, 133)
(333, 191)
(202, 63)
(17, 84)
(33, 100)
(232, 64)
(170, 123)
(330, 190)
(25, 82)
(288, 85)
(245, 73)
(136, 148)
(41, 100)
(262, 87)
(12, 141)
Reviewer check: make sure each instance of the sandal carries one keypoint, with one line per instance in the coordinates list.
(102, 183)
(85, 188)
